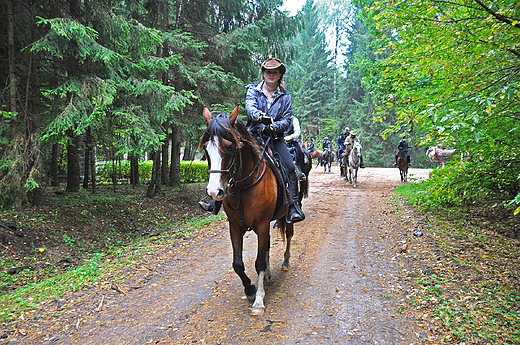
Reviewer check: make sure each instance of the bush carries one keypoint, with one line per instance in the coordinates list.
(191, 171)
(466, 183)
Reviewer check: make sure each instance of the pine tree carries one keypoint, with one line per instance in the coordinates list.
(310, 78)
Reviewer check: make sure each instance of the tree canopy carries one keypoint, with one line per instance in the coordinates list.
(450, 72)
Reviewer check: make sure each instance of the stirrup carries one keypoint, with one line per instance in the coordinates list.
(294, 213)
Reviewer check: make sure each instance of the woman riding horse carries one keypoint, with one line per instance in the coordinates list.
(269, 113)
(242, 177)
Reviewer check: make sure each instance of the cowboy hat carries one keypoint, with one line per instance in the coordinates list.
(273, 63)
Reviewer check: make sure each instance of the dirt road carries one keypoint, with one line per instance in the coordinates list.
(341, 288)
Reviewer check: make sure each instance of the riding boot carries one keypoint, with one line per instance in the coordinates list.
(211, 207)
(301, 176)
(362, 165)
(294, 213)
(395, 164)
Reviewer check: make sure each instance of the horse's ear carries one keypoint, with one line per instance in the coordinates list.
(234, 115)
(207, 115)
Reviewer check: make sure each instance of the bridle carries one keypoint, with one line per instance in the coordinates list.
(232, 170)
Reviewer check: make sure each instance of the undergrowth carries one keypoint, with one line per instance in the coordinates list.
(82, 240)
(466, 278)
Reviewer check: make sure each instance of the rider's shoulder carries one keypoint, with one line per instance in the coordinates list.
(255, 86)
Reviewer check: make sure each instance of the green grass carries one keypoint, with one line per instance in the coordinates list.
(98, 268)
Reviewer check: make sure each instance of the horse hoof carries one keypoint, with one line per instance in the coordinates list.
(286, 267)
(257, 311)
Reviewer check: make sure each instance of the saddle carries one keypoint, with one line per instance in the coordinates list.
(282, 179)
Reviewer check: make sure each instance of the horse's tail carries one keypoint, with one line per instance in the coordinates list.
(304, 187)
(281, 227)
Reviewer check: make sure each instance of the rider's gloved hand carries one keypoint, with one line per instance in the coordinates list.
(266, 120)
(288, 138)
(267, 130)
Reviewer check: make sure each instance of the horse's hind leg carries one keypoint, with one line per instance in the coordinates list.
(289, 231)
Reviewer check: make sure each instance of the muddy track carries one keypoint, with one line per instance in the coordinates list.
(338, 290)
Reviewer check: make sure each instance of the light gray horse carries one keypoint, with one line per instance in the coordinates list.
(354, 161)
(438, 155)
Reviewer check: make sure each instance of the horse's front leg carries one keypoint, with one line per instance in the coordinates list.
(261, 265)
(237, 240)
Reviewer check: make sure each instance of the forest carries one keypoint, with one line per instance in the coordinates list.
(96, 81)
(101, 118)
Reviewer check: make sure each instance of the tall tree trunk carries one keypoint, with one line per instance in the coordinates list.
(165, 147)
(33, 126)
(153, 187)
(16, 179)
(73, 172)
(54, 165)
(92, 164)
(88, 150)
(134, 170)
(189, 151)
(175, 165)
(10, 52)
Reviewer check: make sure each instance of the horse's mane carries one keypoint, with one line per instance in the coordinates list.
(237, 134)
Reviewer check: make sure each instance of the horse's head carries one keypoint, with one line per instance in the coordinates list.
(222, 141)
(356, 150)
(431, 152)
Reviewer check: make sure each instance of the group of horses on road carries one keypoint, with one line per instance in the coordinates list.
(350, 161)
(244, 177)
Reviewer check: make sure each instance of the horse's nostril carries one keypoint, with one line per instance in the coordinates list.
(220, 194)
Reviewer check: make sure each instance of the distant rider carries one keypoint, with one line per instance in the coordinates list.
(341, 142)
(311, 148)
(327, 145)
(291, 136)
(352, 138)
(404, 144)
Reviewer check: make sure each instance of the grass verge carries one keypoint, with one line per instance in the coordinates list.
(465, 274)
(78, 241)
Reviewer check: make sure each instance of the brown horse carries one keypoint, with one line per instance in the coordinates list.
(316, 154)
(402, 164)
(241, 177)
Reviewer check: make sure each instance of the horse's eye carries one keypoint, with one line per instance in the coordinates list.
(227, 144)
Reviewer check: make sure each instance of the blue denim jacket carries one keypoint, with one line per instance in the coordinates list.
(256, 105)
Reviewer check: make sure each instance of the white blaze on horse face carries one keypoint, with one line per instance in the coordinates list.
(214, 184)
